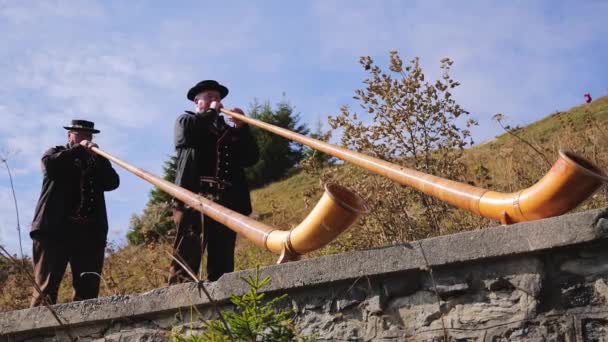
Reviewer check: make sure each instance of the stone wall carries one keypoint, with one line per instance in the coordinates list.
(541, 281)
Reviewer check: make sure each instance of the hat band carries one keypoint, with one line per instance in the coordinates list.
(81, 126)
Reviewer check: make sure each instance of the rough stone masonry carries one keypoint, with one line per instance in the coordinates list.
(545, 280)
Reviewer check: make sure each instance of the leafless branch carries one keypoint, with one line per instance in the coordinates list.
(10, 177)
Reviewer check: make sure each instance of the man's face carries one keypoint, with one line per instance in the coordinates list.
(203, 99)
(75, 137)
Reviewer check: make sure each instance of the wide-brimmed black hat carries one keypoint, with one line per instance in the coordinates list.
(82, 125)
(207, 85)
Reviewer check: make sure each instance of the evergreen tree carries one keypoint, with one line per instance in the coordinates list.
(277, 154)
(156, 219)
(254, 318)
(311, 155)
(169, 169)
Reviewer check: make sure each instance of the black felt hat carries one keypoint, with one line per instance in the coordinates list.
(207, 85)
(82, 125)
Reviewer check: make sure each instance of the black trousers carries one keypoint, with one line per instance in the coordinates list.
(50, 259)
(188, 247)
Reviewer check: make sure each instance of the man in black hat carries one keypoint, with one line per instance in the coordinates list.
(70, 223)
(211, 157)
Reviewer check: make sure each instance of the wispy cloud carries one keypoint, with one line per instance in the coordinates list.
(28, 11)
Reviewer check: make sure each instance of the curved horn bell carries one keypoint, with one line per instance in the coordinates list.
(571, 180)
(337, 209)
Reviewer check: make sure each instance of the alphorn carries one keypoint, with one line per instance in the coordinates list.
(571, 180)
(337, 209)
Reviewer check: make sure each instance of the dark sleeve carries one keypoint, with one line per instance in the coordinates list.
(189, 128)
(106, 175)
(184, 131)
(57, 160)
(186, 173)
(247, 149)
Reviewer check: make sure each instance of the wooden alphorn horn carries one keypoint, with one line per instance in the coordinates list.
(570, 181)
(337, 209)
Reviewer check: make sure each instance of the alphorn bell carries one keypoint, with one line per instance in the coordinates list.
(337, 209)
(570, 181)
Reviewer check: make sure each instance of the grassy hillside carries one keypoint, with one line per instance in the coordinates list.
(575, 119)
(559, 129)
(506, 163)
(511, 163)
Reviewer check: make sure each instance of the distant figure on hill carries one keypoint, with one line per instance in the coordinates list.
(70, 222)
(588, 98)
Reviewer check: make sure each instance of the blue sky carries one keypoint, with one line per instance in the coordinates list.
(127, 65)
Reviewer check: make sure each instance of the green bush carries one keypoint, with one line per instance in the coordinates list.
(252, 320)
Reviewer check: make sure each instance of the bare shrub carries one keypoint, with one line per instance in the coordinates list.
(410, 122)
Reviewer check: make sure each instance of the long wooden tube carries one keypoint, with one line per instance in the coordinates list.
(337, 209)
(570, 181)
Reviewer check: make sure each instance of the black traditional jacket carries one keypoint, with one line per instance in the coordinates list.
(207, 147)
(72, 197)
